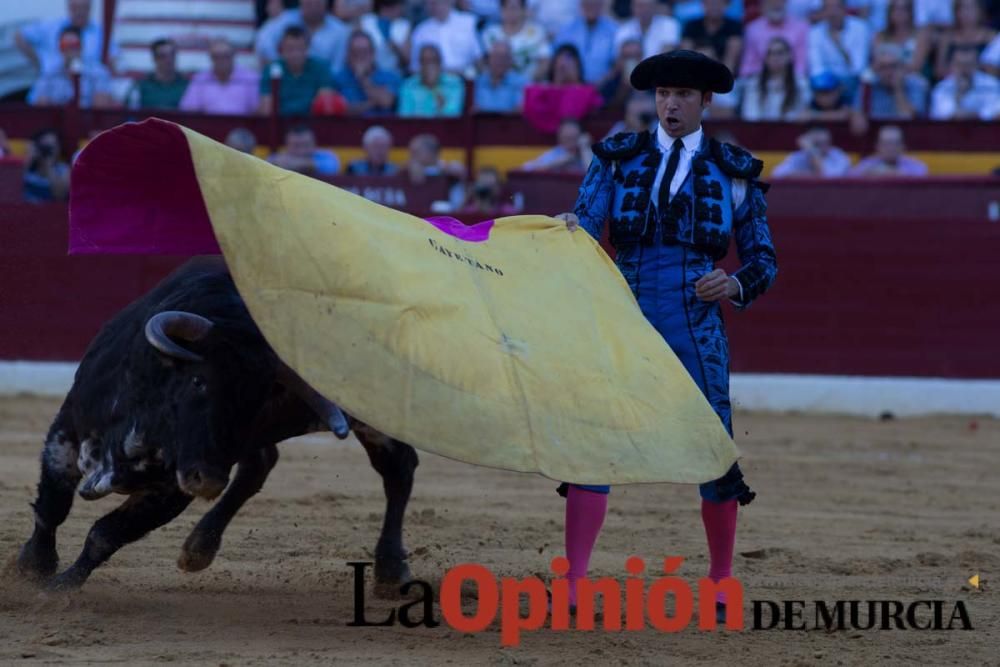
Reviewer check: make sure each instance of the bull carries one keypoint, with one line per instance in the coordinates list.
(173, 392)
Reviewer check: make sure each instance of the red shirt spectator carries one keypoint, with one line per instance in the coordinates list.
(565, 96)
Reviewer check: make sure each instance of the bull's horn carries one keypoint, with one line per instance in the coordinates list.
(162, 327)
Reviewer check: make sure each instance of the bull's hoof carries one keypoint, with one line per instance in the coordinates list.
(198, 551)
(390, 574)
(67, 582)
(37, 562)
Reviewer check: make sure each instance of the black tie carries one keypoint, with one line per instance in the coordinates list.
(668, 176)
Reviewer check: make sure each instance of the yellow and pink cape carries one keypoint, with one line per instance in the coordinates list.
(513, 343)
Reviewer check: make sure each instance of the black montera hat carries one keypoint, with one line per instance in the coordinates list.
(682, 69)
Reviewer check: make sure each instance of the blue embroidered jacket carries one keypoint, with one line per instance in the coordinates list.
(618, 187)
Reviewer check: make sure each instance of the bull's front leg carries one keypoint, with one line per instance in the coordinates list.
(38, 558)
(204, 541)
(131, 521)
(395, 461)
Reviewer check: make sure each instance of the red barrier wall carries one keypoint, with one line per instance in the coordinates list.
(865, 292)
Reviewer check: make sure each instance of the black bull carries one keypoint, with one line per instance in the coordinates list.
(174, 391)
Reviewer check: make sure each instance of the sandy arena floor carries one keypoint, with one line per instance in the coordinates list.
(848, 509)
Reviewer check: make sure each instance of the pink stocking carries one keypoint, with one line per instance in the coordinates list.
(585, 511)
(720, 529)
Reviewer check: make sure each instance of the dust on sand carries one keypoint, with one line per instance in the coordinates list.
(849, 509)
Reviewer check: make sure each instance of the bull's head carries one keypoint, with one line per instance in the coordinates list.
(212, 384)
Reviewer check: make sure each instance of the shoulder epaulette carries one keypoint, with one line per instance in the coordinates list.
(735, 161)
(622, 146)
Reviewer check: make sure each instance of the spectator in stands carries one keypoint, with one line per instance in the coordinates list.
(686, 11)
(46, 173)
(830, 102)
(571, 153)
(326, 34)
(485, 11)
(377, 142)
(725, 35)
(657, 32)
(563, 95)
(967, 92)
(556, 15)
(930, 14)
(164, 87)
(242, 139)
(39, 41)
(774, 22)
(990, 60)
(426, 162)
(367, 89)
(224, 89)
(776, 92)
(592, 34)
(302, 76)
(390, 32)
(802, 9)
(889, 159)
(566, 68)
(499, 89)
(269, 9)
(431, 93)
(55, 86)
(529, 45)
(485, 195)
(454, 35)
(894, 93)
(640, 115)
(902, 31)
(934, 13)
(839, 44)
(971, 30)
(350, 11)
(616, 87)
(301, 154)
(817, 156)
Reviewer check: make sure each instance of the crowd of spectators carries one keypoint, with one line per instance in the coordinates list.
(796, 60)
(553, 62)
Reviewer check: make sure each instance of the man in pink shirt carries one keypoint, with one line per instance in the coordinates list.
(225, 89)
(774, 22)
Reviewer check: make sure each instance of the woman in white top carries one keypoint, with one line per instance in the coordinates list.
(529, 44)
(901, 30)
(776, 93)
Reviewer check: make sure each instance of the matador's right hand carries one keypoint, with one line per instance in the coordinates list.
(572, 222)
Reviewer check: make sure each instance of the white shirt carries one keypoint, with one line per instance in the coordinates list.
(399, 32)
(692, 142)
(824, 56)
(982, 97)
(664, 33)
(456, 37)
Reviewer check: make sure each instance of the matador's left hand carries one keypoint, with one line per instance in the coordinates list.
(716, 286)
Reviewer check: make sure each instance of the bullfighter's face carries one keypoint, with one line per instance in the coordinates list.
(680, 109)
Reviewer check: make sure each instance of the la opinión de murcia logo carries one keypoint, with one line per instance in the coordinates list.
(643, 606)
